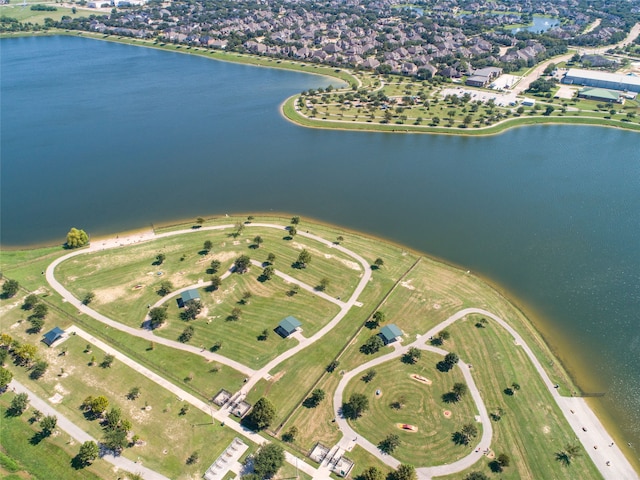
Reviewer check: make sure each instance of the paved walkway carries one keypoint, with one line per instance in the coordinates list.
(81, 436)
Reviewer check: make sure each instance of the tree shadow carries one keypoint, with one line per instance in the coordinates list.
(450, 397)
(563, 458)
(203, 252)
(459, 439)
(495, 466)
(77, 463)
(371, 324)
(436, 341)
(508, 391)
(38, 437)
(443, 366)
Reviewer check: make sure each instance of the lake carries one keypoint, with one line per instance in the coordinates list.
(110, 137)
(538, 25)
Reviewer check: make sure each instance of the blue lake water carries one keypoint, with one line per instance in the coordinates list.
(109, 137)
(539, 25)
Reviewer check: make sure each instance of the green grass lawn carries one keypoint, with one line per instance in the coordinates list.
(268, 305)
(422, 406)
(51, 458)
(169, 438)
(531, 428)
(22, 14)
(126, 280)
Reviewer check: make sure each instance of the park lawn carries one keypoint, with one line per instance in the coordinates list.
(423, 407)
(241, 339)
(70, 379)
(125, 280)
(26, 266)
(363, 459)
(532, 428)
(50, 458)
(34, 16)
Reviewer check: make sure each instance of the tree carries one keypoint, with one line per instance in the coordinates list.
(378, 263)
(193, 458)
(214, 266)
(36, 324)
(315, 398)
(239, 227)
(157, 316)
(371, 473)
(290, 435)
(303, 259)
(389, 443)
(268, 460)
(160, 258)
(356, 406)
(48, 424)
(235, 314)
(339, 239)
(444, 335)
(77, 238)
(192, 309)
(166, 287)
(412, 355)
(30, 301)
(5, 377)
(404, 472)
(376, 319)
(40, 310)
(25, 354)
(465, 434)
(324, 283)
(292, 231)
(242, 264)
(95, 407)
(503, 460)
(476, 476)
(184, 409)
(448, 363)
(459, 390)
(134, 393)
(271, 258)
(549, 110)
(199, 221)
(38, 370)
(107, 361)
(10, 288)
(115, 439)
(267, 273)
(262, 414)
(257, 241)
(372, 345)
(18, 404)
(295, 220)
(569, 453)
(88, 298)
(89, 451)
(370, 375)
(332, 366)
(207, 246)
(186, 334)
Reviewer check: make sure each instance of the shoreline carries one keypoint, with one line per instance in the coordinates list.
(300, 66)
(539, 325)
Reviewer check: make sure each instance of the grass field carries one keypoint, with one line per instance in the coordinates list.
(414, 292)
(422, 406)
(242, 340)
(20, 459)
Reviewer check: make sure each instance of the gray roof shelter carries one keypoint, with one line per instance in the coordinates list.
(287, 326)
(390, 333)
(52, 335)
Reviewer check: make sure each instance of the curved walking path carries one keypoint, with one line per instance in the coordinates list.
(81, 436)
(575, 410)
(253, 375)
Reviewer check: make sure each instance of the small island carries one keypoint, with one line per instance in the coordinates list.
(262, 346)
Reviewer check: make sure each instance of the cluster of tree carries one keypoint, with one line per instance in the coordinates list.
(261, 415)
(24, 355)
(412, 356)
(10, 288)
(440, 338)
(403, 472)
(449, 361)
(266, 462)
(372, 345)
(77, 238)
(313, 400)
(242, 264)
(38, 7)
(38, 311)
(356, 406)
(191, 310)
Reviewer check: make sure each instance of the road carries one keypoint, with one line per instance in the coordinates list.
(534, 74)
(81, 436)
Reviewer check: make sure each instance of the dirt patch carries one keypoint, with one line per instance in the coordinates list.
(108, 295)
(60, 389)
(546, 430)
(491, 455)
(406, 427)
(447, 413)
(57, 398)
(420, 379)
(277, 376)
(407, 285)
(10, 306)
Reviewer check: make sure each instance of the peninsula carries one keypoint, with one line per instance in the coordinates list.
(185, 350)
(424, 67)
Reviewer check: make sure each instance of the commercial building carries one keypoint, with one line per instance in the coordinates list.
(592, 78)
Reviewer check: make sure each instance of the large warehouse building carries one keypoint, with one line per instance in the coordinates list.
(592, 78)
